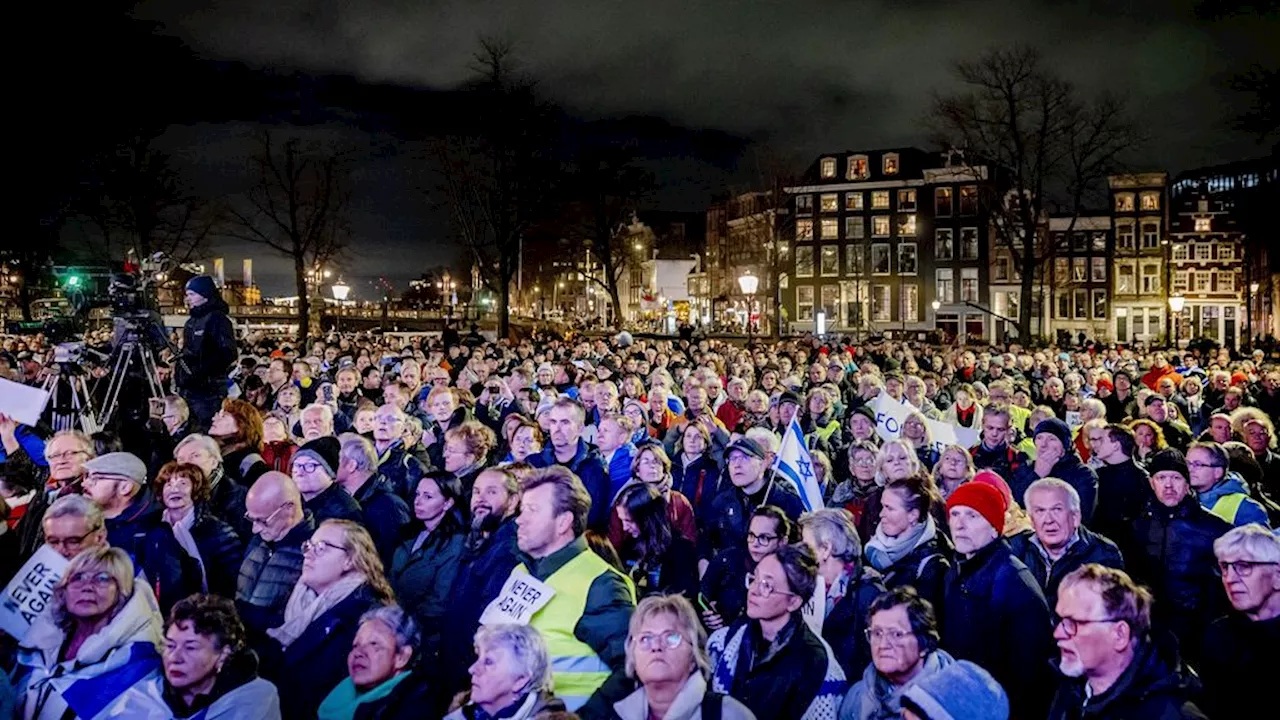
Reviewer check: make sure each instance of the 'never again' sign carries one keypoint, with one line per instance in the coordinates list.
(30, 594)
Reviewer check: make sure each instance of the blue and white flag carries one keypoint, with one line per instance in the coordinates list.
(795, 463)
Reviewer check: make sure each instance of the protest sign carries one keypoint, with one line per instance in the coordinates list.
(815, 611)
(891, 414)
(30, 594)
(522, 596)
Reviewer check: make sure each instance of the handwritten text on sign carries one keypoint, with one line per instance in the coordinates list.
(891, 414)
(521, 597)
(30, 594)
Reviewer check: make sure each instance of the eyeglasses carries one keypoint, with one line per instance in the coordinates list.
(68, 542)
(98, 579)
(761, 539)
(1071, 626)
(65, 455)
(1243, 568)
(893, 635)
(256, 522)
(765, 586)
(318, 547)
(1200, 465)
(306, 467)
(667, 641)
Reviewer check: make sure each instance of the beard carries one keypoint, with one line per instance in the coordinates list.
(1071, 666)
(487, 523)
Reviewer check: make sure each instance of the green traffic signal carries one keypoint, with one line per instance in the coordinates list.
(73, 281)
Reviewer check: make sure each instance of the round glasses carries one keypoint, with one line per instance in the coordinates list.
(667, 641)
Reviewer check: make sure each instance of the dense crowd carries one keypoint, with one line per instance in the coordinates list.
(600, 528)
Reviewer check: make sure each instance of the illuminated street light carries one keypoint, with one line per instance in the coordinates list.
(936, 305)
(341, 290)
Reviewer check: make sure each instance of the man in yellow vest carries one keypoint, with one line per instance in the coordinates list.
(1221, 492)
(580, 604)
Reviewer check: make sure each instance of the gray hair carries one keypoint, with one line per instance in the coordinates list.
(400, 623)
(209, 444)
(177, 403)
(527, 649)
(834, 528)
(1249, 542)
(319, 408)
(359, 450)
(765, 438)
(1049, 483)
(75, 506)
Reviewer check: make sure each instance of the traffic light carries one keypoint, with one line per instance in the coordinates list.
(73, 281)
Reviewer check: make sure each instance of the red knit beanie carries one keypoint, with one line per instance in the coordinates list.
(993, 478)
(984, 499)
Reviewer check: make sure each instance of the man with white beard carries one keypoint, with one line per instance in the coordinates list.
(1113, 666)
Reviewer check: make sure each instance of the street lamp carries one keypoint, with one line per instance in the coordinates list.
(749, 283)
(340, 292)
(1176, 303)
(1253, 293)
(936, 305)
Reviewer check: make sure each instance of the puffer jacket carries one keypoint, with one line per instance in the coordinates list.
(423, 577)
(1123, 490)
(1170, 550)
(1155, 686)
(1219, 498)
(267, 576)
(107, 664)
(1089, 548)
(875, 698)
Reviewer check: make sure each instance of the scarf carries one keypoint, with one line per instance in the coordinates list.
(182, 533)
(884, 552)
(344, 702)
(305, 605)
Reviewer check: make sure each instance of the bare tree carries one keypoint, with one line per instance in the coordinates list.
(298, 206)
(495, 170)
(1048, 147)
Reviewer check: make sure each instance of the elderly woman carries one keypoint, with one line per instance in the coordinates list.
(954, 468)
(380, 682)
(212, 544)
(226, 497)
(849, 589)
(425, 565)
(103, 632)
(466, 450)
(341, 580)
(666, 655)
(511, 678)
(288, 407)
(651, 466)
(1259, 433)
(907, 548)
(526, 441)
(638, 412)
(657, 559)
(695, 474)
(903, 632)
(916, 431)
(860, 495)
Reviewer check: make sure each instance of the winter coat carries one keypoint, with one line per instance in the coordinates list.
(221, 549)
(482, 570)
(1155, 686)
(334, 503)
(589, 467)
(1119, 411)
(237, 694)
(422, 578)
(688, 703)
(409, 700)
(924, 568)
(226, 502)
(530, 707)
(619, 468)
(395, 463)
(313, 664)
(1088, 548)
(208, 350)
(384, 514)
(278, 455)
(267, 576)
(864, 505)
(679, 514)
(1123, 490)
(699, 481)
(731, 514)
(723, 585)
(107, 664)
(167, 569)
(1068, 469)
(845, 626)
(1170, 550)
(1248, 510)
(1005, 460)
(875, 698)
(244, 466)
(1244, 657)
(799, 679)
(994, 614)
(675, 572)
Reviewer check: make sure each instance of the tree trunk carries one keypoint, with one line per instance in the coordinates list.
(504, 297)
(304, 302)
(614, 300)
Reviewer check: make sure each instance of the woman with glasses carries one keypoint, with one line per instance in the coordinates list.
(666, 655)
(102, 635)
(511, 677)
(916, 431)
(341, 580)
(954, 468)
(527, 441)
(425, 565)
(903, 632)
(788, 671)
(860, 494)
(724, 598)
(654, 556)
(215, 548)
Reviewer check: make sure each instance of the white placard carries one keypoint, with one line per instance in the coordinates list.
(1073, 419)
(815, 611)
(22, 402)
(891, 414)
(30, 594)
(522, 596)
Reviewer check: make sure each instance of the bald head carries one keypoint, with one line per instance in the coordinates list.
(274, 506)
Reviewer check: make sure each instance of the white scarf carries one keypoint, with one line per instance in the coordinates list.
(182, 533)
(305, 605)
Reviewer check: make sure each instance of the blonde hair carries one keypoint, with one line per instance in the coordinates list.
(678, 608)
(364, 557)
(114, 561)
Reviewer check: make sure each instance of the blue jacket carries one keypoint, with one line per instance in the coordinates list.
(32, 443)
(620, 468)
(589, 467)
(1249, 511)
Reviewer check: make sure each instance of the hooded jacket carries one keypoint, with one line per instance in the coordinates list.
(1155, 686)
(1229, 499)
(208, 349)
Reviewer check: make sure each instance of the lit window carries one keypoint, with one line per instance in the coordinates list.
(968, 243)
(828, 167)
(830, 263)
(942, 202)
(1078, 270)
(906, 201)
(907, 260)
(830, 229)
(969, 284)
(1204, 251)
(879, 259)
(1124, 236)
(854, 228)
(1098, 269)
(1150, 278)
(1226, 252)
(1061, 270)
(1150, 201)
(804, 302)
(880, 200)
(943, 243)
(945, 285)
(1181, 280)
(968, 199)
(804, 261)
(1099, 242)
(831, 303)
(890, 163)
(1203, 282)
(880, 311)
(1124, 279)
(1181, 251)
(910, 303)
(1124, 202)
(858, 169)
(1001, 270)
(906, 226)
(1226, 282)
(829, 202)
(1100, 304)
(804, 204)
(880, 226)
(1150, 235)
(1204, 225)
(804, 230)
(853, 201)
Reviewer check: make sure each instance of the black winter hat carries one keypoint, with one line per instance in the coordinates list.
(324, 450)
(1058, 429)
(1168, 459)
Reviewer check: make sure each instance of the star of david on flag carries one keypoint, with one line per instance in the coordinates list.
(794, 462)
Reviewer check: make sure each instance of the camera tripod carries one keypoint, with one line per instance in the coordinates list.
(130, 354)
(69, 404)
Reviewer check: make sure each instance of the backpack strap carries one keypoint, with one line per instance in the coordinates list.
(248, 462)
(924, 562)
(712, 705)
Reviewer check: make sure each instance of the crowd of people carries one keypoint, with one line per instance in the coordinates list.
(598, 528)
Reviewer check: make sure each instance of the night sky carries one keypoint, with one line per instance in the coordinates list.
(697, 79)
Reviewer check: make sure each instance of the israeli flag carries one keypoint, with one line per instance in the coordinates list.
(795, 463)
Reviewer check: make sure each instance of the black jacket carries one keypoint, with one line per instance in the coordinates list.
(226, 501)
(482, 570)
(723, 585)
(267, 576)
(1005, 460)
(402, 469)
(726, 527)
(1123, 490)
(385, 515)
(700, 482)
(1089, 548)
(845, 628)
(1155, 686)
(423, 577)
(333, 503)
(589, 467)
(1244, 661)
(675, 573)
(995, 615)
(244, 466)
(1070, 470)
(1118, 410)
(1171, 551)
(408, 701)
(784, 684)
(924, 568)
(240, 669)
(221, 549)
(313, 665)
(208, 349)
